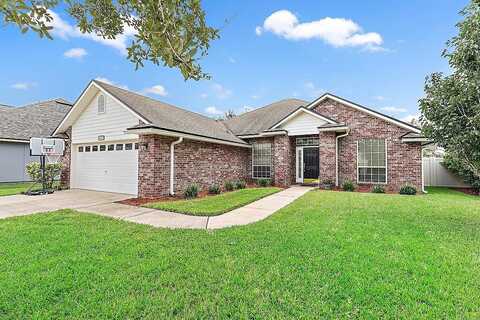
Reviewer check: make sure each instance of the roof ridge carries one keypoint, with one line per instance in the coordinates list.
(147, 97)
(57, 100)
(268, 105)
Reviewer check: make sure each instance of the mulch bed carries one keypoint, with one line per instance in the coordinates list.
(141, 201)
(470, 191)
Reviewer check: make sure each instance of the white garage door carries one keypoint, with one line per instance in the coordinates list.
(111, 167)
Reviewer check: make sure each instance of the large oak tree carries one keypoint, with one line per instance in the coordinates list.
(171, 32)
(451, 106)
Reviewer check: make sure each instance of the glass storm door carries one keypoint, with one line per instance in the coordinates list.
(307, 163)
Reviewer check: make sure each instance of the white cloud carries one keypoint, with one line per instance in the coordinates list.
(394, 109)
(338, 32)
(213, 111)
(220, 91)
(65, 30)
(313, 90)
(379, 98)
(113, 83)
(255, 96)
(76, 53)
(23, 85)
(204, 96)
(411, 118)
(232, 60)
(157, 89)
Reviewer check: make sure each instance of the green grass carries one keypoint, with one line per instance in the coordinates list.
(327, 255)
(11, 188)
(214, 205)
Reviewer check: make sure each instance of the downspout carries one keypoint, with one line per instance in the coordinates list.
(423, 173)
(172, 164)
(336, 155)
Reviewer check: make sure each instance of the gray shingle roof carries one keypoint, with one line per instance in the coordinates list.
(34, 120)
(165, 116)
(263, 118)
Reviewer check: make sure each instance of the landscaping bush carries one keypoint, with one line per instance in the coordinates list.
(408, 190)
(327, 184)
(348, 186)
(378, 189)
(214, 189)
(263, 182)
(191, 191)
(229, 186)
(240, 184)
(52, 172)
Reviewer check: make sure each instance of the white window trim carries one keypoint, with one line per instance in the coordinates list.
(377, 167)
(104, 104)
(271, 161)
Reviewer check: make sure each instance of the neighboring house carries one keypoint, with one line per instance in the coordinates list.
(18, 125)
(120, 141)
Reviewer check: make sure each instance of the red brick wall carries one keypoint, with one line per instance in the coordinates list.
(327, 156)
(195, 162)
(404, 161)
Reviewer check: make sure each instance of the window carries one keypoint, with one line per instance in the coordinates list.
(307, 141)
(261, 160)
(94, 148)
(136, 146)
(80, 149)
(111, 147)
(101, 103)
(102, 147)
(119, 147)
(87, 149)
(128, 146)
(372, 161)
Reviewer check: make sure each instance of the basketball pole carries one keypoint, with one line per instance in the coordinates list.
(42, 167)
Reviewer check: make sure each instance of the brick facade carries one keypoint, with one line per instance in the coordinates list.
(404, 160)
(195, 162)
(282, 155)
(327, 156)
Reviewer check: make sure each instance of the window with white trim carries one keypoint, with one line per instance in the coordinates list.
(261, 160)
(372, 161)
(101, 104)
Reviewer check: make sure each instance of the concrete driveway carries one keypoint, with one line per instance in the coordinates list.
(103, 203)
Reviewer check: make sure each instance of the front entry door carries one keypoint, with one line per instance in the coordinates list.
(310, 159)
(307, 164)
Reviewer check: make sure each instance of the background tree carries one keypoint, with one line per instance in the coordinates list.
(229, 114)
(172, 32)
(451, 106)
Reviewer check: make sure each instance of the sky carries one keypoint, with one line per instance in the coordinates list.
(376, 53)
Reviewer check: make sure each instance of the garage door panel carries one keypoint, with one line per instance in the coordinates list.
(112, 171)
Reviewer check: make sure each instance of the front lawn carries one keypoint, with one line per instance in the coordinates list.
(11, 188)
(214, 205)
(327, 255)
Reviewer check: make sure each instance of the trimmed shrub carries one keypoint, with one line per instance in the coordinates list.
(408, 190)
(52, 172)
(229, 186)
(378, 189)
(327, 184)
(240, 184)
(191, 191)
(262, 182)
(214, 189)
(348, 186)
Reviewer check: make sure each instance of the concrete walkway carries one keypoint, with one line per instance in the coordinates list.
(103, 203)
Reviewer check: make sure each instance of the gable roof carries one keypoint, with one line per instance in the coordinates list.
(302, 110)
(369, 111)
(264, 118)
(160, 115)
(34, 120)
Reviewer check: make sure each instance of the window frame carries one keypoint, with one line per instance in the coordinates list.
(104, 104)
(270, 164)
(373, 167)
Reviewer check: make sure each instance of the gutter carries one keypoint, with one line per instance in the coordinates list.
(336, 154)
(172, 164)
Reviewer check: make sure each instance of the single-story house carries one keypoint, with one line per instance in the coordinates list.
(120, 141)
(18, 125)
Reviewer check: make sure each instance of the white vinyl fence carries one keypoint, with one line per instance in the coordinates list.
(435, 174)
